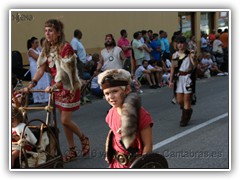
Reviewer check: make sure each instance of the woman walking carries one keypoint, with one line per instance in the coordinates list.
(182, 78)
(58, 58)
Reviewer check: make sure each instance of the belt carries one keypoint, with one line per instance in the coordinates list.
(181, 73)
(124, 159)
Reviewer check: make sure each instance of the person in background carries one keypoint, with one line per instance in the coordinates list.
(33, 54)
(112, 56)
(125, 44)
(182, 78)
(136, 85)
(192, 45)
(95, 88)
(138, 48)
(144, 73)
(80, 51)
(224, 39)
(41, 43)
(212, 37)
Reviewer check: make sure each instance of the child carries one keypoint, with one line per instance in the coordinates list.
(16, 96)
(95, 88)
(17, 130)
(136, 85)
(131, 125)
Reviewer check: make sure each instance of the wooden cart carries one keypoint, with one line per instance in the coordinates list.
(47, 152)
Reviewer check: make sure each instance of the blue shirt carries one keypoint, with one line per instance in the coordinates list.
(156, 54)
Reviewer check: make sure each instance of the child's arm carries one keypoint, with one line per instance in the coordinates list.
(30, 137)
(15, 137)
(146, 136)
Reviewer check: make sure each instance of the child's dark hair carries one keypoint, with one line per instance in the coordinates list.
(14, 80)
(16, 113)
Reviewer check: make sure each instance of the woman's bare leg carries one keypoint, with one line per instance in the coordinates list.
(70, 127)
(180, 99)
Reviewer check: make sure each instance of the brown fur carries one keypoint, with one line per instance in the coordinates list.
(116, 74)
(129, 119)
(67, 72)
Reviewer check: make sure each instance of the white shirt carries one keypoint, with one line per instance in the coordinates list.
(168, 63)
(217, 46)
(140, 69)
(204, 42)
(112, 58)
(186, 64)
(139, 54)
(209, 62)
(28, 133)
(78, 46)
(94, 83)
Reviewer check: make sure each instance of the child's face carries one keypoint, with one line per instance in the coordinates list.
(145, 64)
(115, 96)
(15, 122)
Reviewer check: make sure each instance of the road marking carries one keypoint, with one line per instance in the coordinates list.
(188, 131)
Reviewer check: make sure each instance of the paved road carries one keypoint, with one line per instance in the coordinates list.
(202, 144)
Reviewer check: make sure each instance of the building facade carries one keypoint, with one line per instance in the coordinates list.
(95, 24)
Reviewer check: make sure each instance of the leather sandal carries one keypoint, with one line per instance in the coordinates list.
(71, 155)
(85, 145)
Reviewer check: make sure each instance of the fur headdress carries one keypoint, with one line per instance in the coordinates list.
(113, 78)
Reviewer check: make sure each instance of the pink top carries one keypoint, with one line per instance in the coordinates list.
(124, 42)
(114, 121)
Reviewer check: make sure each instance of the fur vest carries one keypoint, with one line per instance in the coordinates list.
(66, 68)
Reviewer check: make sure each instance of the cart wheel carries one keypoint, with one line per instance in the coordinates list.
(58, 165)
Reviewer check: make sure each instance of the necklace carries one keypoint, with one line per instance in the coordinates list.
(52, 57)
(111, 57)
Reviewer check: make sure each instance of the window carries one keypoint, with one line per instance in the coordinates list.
(185, 21)
(223, 20)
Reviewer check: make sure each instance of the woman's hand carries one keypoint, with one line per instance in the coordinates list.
(48, 89)
(25, 90)
(170, 85)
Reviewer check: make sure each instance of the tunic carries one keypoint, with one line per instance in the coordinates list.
(64, 70)
(114, 121)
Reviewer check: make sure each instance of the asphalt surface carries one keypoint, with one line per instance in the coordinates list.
(203, 144)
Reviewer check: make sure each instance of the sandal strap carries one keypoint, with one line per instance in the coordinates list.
(83, 137)
(71, 155)
(85, 145)
(72, 148)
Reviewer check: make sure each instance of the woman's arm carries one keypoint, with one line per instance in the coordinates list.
(99, 65)
(171, 74)
(193, 58)
(34, 55)
(37, 76)
(146, 136)
(122, 56)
